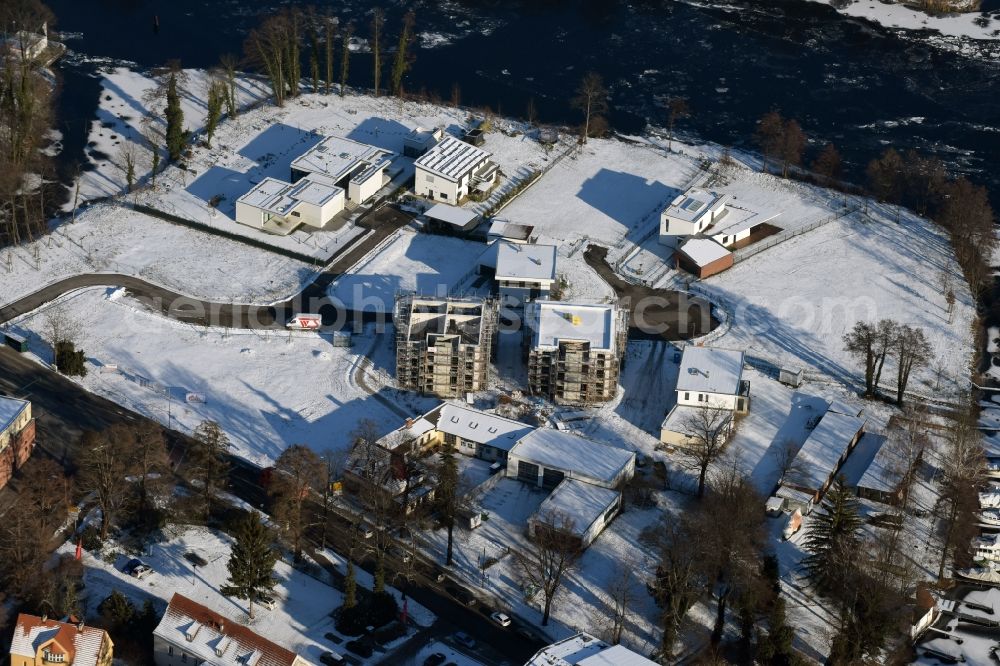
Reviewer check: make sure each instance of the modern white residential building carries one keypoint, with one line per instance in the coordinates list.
(451, 169)
(574, 350)
(279, 207)
(420, 140)
(525, 272)
(357, 168)
(580, 508)
(546, 456)
(713, 377)
(190, 634)
(585, 650)
(691, 213)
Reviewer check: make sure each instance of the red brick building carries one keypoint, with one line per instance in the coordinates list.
(17, 436)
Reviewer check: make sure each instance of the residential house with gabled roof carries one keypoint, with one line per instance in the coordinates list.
(190, 634)
(39, 641)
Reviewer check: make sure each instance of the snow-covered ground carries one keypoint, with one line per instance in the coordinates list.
(266, 389)
(298, 622)
(107, 238)
(949, 30)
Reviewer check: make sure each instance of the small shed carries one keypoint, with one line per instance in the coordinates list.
(703, 257)
(341, 339)
(16, 342)
(790, 376)
(451, 219)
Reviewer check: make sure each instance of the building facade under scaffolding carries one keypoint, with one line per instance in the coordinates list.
(574, 351)
(443, 344)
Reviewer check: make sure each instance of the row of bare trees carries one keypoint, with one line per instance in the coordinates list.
(875, 342)
(276, 49)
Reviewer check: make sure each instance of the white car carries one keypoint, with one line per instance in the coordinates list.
(266, 601)
(501, 618)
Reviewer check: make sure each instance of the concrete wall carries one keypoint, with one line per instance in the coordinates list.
(709, 400)
(249, 215)
(361, 192)
(436, 187)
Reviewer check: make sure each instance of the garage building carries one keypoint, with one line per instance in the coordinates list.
(546, 456)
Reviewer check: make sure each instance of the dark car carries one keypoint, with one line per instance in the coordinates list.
(195, 559)
(437, 574)
(465, 639)
(463, 595)
(435, 659)
(360, 648)
(331, 659)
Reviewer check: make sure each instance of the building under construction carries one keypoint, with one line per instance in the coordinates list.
(574, 351)
(444, 345)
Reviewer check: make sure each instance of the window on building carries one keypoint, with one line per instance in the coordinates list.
(701, 397)
(170, 650)
(444, 195)
(184, 657)
(296, 213)
(687, 396)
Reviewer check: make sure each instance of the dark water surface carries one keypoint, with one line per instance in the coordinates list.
(845, 80)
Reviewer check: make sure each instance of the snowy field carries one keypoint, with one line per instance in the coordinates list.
(425, 263)
(107, 238)
(266, 390)
(791, 304)
(298, 622)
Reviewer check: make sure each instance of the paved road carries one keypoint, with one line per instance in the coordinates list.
(381, 223)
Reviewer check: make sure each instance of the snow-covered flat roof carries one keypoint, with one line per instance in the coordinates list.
(452, 215)
(557, 321)
(569, 452)
(278, 197)
(481, 427)
(582, 502)
(703, 251)
(821, 452)
(694, 203)
(586, 650)
(710, 370)
(452, 158)
(315, 189)
(678, 418)
(10, 408)
(523, 261)
(336, 157)
(504, 229)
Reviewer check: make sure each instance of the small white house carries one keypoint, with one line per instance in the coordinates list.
(691, 213)
(525, 272)
(713, 377)
(279, 207)
(581, 509)
(356, 168)
(451, 169)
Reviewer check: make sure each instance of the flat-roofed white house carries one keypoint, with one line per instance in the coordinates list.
(279, 207)
(357, 168)
(574, 350)
(546, 456)
(585, 650)
(691, 213)
(713, 377)
(525, 272)
(580, 508)
(451, 169)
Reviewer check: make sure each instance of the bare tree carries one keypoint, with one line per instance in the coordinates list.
(591, 98)
(106, 462)
(60, 328)
(151, 466)
(828, 166)
(330, 32)
(345, 57)
(332, 466)
(872, 343)
(770, 136)
(208, 466)
(403, 60)
(962, 474)
(228, 63)
(297, 473)
(709, 429)
(912, 351)
(622, 591)
(680, 576)
(793, 142)
(677, 108)
(378, 21)
(785, 455)
(885, 176)
(45, 493)
(154, 139)
(552, 554)
(127, 153)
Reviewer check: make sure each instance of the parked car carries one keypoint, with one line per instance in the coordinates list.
(266, 601)
(401, 554)
(435, 659)
(138, 569)
(462, 595)
(438, 574)
(195, 559)
(365, 530)
(501, 618)
(465, 639)
(331, 659)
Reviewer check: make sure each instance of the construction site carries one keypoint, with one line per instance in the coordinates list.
(444, 345)
(574, 351)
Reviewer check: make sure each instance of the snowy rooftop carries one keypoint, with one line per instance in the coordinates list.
(522, 261)
(337, 157)
(9, 410)
(81, 647)
(477, 426)
(703, 251)
(562, 450)
(821, 452)
(842, 407)
(452, 215)
(678, 418)
(504, 229)
(452, 158)
(585, 650)
(216, 639)
(556, 321)
(583, 502)
(693, 204)
(737, 220)
(710, 370)
(278, 197)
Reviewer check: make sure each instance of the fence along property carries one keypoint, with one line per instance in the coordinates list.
(767, 243)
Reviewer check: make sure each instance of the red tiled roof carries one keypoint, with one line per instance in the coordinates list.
(82, 646)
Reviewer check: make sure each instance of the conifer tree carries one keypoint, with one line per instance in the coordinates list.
(251, 561)
(402, 61)
(207, 461)
(447, 494)
(175, 120)
(345, 57)
(350, 586)
(216, 98)
(378, 20)
(833, 538)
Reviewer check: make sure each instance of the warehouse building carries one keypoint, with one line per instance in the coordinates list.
(444, 345)
(546, 456)
(574, 351)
